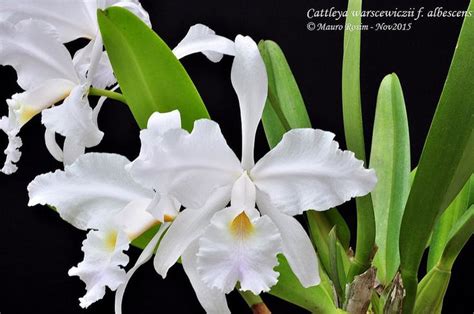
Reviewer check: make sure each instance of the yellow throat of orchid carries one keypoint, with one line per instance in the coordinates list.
(111, 240)
(241, 226)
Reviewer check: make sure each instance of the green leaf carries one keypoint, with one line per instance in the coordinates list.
(351, 98)
(320, 226)
(343, 232)
(323, 222)
(285, 108)
(150, 76)
(431, 291)
(432, 288)
(336, 270)
(390, 157)
(145, 237)
(445, 224)
(316, 299)
(354, 132)
(446, 163)
(376, 306)
(471, 194)
(458, 237)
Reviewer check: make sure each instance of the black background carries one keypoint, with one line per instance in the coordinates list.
(37, 248)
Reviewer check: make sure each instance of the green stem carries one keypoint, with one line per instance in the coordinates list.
(107, 93)
(255, 302)
(250, 298)
(365, 241)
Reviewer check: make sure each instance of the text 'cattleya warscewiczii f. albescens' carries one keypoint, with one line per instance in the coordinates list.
(238, 214)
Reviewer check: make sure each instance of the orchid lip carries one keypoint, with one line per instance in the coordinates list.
(111, 240)
(241, 226)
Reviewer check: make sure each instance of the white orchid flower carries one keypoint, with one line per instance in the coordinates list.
(96, 193)
(220, 246)
(72, 18)
(48, 75)
(46, 72)
(75, 19)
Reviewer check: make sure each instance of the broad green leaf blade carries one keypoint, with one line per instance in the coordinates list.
(285, 108)
(445, 224)
(446, 163)
(354, 132)
(390, 157)
(317, 299)
(150, 76)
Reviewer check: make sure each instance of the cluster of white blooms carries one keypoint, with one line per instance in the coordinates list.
(227, 219)
(32, 37)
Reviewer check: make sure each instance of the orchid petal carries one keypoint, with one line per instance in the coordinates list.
(135, 7)
(187, 166)
(72, 151)
(249, 79)
(187, 227)
(212, 300)
(307, 170)
(144, 257)
(133, 219)
(102, 264)
(160, 123)
(297, 246)
(201, 38)
(239, 246)
(72, 18)
(94, 187)
(164, 207)
(28, 104)
(102, 75)
(52, 145)
(12, 152)
(74, 119)
(100, 103)
(32, 48)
